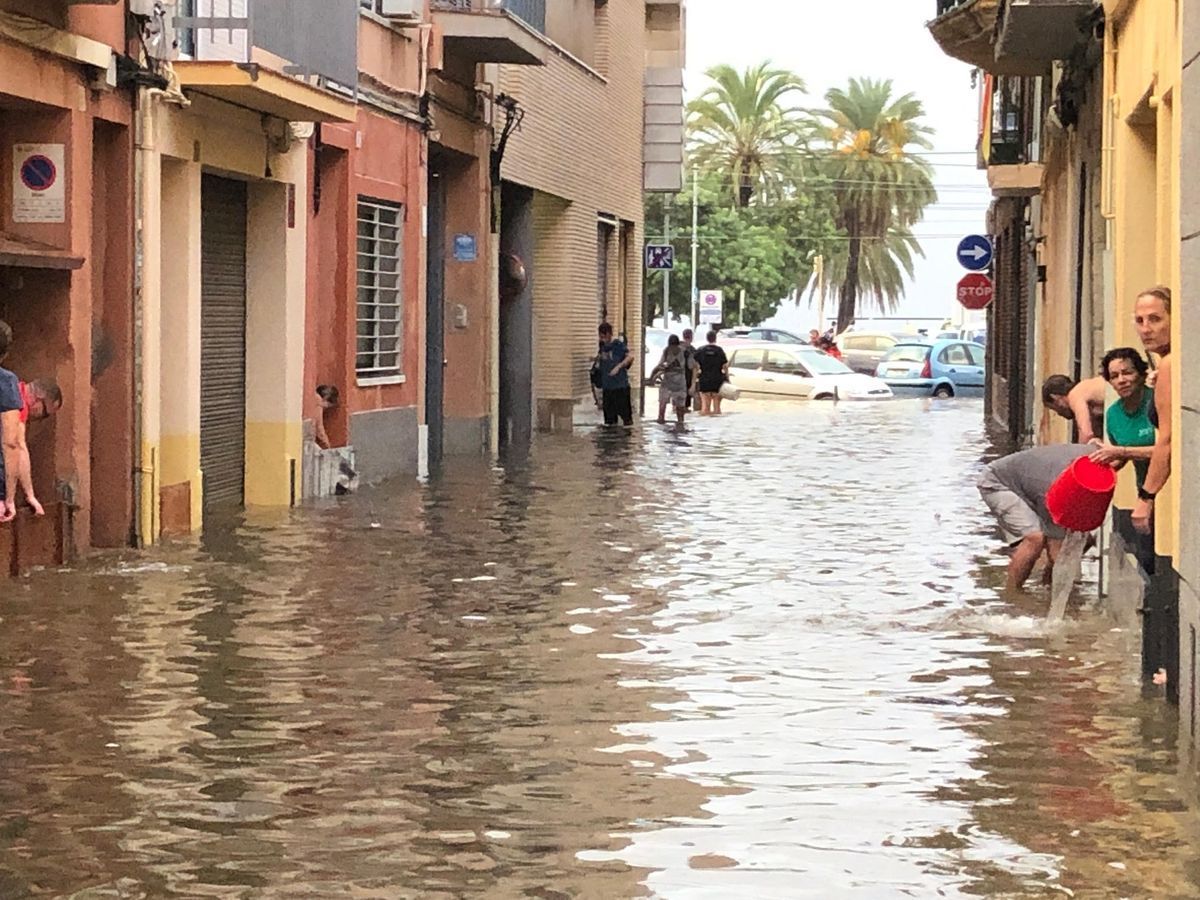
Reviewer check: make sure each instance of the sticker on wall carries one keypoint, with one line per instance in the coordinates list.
(465, 249)
(39, 184)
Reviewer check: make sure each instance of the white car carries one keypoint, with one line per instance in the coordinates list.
(798, 370)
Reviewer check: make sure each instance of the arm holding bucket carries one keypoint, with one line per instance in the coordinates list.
(1160, 459)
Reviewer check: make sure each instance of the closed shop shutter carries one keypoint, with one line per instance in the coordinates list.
(223, 340)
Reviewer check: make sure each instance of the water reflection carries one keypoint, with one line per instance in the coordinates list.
(762, 657)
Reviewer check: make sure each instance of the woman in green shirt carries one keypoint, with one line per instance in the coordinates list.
(1130, 430)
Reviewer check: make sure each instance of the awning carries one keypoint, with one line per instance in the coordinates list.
(33, 255)
(487, 37)
(260, 89)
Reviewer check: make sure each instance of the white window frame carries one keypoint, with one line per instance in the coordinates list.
(379, 256)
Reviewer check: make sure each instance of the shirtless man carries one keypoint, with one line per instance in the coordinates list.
(1083, 403)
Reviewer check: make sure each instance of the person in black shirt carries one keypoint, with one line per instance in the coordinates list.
(714, 369)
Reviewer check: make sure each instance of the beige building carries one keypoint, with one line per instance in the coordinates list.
(222, 176)
(573, 175)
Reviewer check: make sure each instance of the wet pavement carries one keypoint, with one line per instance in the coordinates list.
(763, 658)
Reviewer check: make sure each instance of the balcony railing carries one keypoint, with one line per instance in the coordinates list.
(531, 12)
(944, 6)
(1010, 128)
(318, 39)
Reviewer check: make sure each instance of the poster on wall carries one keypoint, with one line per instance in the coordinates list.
(39, 184)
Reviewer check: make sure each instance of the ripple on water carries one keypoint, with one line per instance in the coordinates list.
(764, 658)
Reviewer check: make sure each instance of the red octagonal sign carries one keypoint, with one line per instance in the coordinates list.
(975, 291)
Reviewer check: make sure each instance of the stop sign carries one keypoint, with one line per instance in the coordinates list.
(975, 291)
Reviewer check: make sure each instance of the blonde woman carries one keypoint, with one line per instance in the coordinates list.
(1152, 316)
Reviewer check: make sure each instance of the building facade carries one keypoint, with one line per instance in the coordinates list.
(428, 205)
(1099, 88)
(66, 265)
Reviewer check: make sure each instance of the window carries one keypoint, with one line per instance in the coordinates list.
(977, 355)
(916, 353)
(380, 326)
(783, 363)
(746, 359)
(821, 363)
(884, 344)
(856, 342)
(955, 355)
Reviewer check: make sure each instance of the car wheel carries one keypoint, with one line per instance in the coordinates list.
(944, 392)
(824, 397)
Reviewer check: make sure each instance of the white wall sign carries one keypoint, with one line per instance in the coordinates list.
(39, 184)
(711, 307)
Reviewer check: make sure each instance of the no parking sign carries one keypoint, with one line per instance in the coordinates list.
(39, 184)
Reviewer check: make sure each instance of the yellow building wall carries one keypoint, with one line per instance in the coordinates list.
(1142, 71)
(179, 144)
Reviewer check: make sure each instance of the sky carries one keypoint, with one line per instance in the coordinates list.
(827, 43)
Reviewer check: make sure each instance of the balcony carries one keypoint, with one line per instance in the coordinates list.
(1010, 37)
(1006, 145)
(493, 31)
(1042, 30)
(296, 60)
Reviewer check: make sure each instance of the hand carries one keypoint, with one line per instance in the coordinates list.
(1151, 378)
(37, 507)
(616, 370)
(8, 510)
(1106, 454)
(1141, 516)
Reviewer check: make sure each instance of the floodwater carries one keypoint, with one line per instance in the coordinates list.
(767, 657)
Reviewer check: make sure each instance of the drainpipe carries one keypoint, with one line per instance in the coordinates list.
(143, 150)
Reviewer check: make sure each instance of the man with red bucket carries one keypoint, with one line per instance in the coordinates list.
(1040, 494)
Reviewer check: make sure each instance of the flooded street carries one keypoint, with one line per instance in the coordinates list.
(764, 658)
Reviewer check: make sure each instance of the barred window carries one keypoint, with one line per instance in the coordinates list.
(379, 289)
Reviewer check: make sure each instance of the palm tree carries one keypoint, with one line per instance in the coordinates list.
(740, 128)
(880, 186)
(884, 265)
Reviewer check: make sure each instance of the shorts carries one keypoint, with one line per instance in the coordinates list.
(1017, 518)
(672, 397)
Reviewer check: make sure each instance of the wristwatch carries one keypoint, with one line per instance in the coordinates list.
(1144, 494)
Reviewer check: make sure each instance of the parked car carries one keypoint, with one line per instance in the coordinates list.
(974, 335)
(773, 335)
(945, 368)
(798, 370)
(863, 351)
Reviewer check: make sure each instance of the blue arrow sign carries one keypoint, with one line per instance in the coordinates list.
(975, 252)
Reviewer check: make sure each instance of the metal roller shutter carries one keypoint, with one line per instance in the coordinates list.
(223, 340)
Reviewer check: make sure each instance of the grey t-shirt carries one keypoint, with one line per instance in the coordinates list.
(1030, 473)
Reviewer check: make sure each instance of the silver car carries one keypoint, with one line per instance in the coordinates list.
(863, 351)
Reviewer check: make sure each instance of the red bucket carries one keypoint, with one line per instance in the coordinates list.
(1079, 499)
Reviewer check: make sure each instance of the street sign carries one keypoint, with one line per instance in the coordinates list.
(660, 257)
(975, 291)
(712, 307)
(39, 192)
(975, 252)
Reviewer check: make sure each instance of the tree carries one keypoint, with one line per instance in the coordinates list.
(884, 266)
(765, 250)
(741, 130)
(880, 186)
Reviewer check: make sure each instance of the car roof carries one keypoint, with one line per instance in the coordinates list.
(778, 345)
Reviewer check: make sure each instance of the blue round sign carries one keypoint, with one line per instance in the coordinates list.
(38, 173)
(975, 252)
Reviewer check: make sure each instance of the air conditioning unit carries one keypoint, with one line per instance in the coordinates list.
(402, 10)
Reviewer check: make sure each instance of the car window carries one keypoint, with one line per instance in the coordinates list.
(855, 342)
(819, 362)
(883, 343)
(908, 353)
(977, 354)
(783, 363)
(746, 359)
(955, 355)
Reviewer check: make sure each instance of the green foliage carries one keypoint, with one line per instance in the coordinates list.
(765, 250)
(780, 185)
(880, 187)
